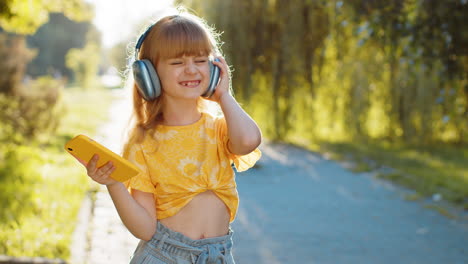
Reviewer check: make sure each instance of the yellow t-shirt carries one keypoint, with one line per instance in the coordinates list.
(179, 162)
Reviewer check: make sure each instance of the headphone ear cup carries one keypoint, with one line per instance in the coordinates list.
(214, 79)
(147, 79)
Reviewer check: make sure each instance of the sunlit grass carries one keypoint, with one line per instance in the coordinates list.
(436, 169)
(85, 111)
(43, 220)
(42, 187)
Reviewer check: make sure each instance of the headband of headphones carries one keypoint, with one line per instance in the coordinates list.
(140, 41)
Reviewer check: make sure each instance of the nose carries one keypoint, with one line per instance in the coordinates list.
(190, 68)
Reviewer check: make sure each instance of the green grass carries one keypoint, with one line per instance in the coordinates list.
(435, 169)
(42, 187)
(85, 111)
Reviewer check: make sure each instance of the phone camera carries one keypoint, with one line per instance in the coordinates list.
(70, 149)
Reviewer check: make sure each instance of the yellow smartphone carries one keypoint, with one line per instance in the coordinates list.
(83, 148)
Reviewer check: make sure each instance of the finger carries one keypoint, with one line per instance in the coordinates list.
(220, 62)
(108, 173)
(108, 168)
(221, 58)
(91, 168)
(104, 175)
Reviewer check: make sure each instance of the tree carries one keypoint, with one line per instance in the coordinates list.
(15, 55)
(337, 69)
(54, 39)
(28, 107)
(25, 17)
(84, 63)
(118, 56)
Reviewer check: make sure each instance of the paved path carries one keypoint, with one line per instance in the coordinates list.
(105, 239)
(298, 207)
(111, 242)
(301, 208)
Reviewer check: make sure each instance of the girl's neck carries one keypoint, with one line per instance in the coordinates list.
(180, 114)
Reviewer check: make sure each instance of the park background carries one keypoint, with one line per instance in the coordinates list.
(376, 83)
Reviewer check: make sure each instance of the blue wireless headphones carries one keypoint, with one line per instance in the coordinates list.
(147, 79)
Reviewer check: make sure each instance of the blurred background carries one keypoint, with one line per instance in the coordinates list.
(378, 83)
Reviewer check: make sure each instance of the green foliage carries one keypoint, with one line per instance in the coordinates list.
(33, 111)
(28, 108)
(40, 193)
(41, 186)
(84, 111)
(346, 70)
(15, 55)
(117, 56)
(84, 64)
(53, 40)
(16, 183)
(24, 17)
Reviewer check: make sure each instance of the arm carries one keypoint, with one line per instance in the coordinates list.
(138, 213)
(244, 134)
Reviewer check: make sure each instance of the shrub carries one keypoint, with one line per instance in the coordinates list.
(84, 64)
(34, 109)
(15, 56)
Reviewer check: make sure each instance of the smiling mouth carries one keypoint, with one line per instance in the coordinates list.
(190, 83)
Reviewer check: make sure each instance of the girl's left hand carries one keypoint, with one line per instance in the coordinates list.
(224, 79)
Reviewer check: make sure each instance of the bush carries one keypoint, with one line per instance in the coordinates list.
(84, 64)
(18, 175)
(33, 110)
(40, 193)
(42, 186)
(15, 55)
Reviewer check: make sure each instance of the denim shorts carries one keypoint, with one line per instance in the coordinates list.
(170, 247)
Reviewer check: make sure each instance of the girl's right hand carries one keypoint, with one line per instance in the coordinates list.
(102, 174)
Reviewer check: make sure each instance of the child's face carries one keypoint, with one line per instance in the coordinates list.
(184, 77)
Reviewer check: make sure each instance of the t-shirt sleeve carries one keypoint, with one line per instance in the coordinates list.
(241, 162)
(142, 181)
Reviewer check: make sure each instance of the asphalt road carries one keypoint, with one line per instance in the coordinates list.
(298, 207)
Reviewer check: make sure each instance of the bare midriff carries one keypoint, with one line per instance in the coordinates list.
(205, 216)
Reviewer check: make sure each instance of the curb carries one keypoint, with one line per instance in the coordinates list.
(79, 248)
(26, 260)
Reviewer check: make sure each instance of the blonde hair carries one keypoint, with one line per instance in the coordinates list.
(171, 36)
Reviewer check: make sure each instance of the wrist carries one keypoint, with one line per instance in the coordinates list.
(224, 97)
(113, 185)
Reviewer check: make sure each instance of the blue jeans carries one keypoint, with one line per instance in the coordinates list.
(170, 247)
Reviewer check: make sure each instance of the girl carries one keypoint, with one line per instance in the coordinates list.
(183, 202)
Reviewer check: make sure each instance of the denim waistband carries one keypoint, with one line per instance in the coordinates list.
(207, 250)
